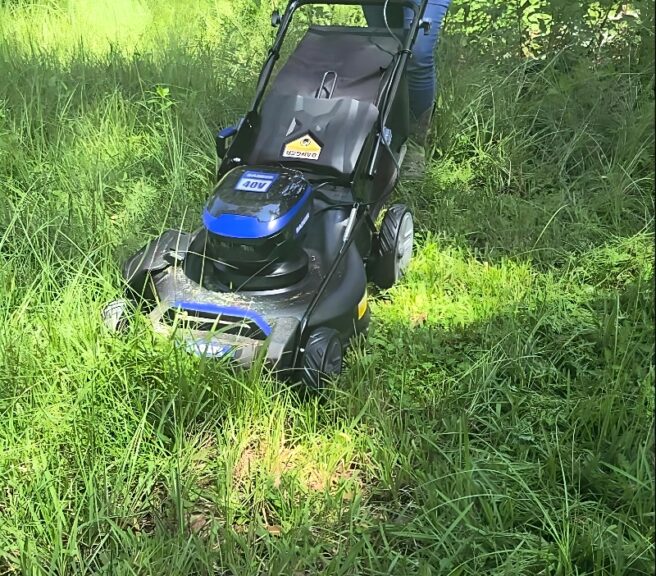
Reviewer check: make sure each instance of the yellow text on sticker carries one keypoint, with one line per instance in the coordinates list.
(303, 148)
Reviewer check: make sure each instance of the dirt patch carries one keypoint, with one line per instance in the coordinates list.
(314, 474)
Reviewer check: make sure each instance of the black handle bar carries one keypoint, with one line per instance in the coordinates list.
(293, 5)
(406, 3)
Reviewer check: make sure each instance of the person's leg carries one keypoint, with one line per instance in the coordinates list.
(422, 86)
(421, 76)
(421, 68)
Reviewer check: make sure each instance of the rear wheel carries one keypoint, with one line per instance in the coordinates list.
(322, 358)
(395, 240)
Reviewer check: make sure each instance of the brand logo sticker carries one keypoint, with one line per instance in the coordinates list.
(302, 223)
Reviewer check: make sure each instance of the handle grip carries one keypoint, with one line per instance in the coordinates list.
(416, 6)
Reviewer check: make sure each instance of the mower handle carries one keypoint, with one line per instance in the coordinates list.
(406, 3)
(418, 8)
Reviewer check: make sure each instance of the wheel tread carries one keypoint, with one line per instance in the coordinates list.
(387, 240)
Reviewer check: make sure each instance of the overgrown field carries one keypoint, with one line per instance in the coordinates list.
(500, 417)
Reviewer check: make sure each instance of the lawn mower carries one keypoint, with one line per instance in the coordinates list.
(279, 268)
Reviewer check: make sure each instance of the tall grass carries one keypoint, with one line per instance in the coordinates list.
(499, 418)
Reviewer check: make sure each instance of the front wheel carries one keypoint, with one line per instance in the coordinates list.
(395, 246)
(322, 358)
(116, 316)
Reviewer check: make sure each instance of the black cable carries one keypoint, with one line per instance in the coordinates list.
(388, 26)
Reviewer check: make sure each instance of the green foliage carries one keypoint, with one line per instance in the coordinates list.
(535, 28)
(499, 418)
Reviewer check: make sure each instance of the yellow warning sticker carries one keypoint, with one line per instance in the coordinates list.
(304, 148)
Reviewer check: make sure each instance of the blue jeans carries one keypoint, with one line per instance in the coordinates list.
(422, 82)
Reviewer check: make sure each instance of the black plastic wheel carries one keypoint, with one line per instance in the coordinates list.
(395, 242)
(116, 315)
(322, 358)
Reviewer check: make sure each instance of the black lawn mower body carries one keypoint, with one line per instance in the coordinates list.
(279, 268)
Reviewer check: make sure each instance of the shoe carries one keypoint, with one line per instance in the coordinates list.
(414, 163)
